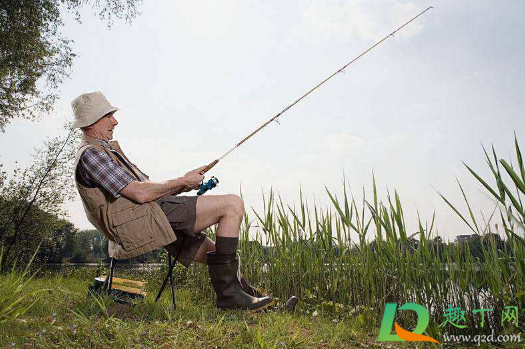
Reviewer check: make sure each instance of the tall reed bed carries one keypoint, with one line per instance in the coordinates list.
(360, 254)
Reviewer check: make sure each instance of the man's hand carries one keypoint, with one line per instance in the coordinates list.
(192, 180)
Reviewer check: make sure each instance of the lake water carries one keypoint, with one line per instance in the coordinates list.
(132, 266)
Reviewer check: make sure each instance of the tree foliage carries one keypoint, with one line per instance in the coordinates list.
(35, 57)
(31, 199)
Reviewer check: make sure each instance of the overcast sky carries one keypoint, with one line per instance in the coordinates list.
(192, 78)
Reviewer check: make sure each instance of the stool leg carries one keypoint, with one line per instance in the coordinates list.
(168, 277)
(171, 284)
(110, 277)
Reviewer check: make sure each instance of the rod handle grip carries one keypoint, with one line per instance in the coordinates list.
(209, 167)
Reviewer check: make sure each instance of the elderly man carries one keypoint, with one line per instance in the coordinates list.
(138, 215)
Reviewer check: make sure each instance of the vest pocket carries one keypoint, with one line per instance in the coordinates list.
(133, 227)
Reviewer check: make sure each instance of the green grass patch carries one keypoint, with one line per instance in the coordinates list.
(64, 317)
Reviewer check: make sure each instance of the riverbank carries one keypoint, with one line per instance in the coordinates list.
(64, 317)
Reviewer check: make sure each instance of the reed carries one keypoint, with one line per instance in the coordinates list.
(360, 255)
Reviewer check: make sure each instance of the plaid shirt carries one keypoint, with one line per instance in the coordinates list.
(97, 169)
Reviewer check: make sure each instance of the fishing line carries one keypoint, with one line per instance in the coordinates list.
(215, 162)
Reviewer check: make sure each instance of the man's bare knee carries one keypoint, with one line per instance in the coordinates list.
(235, 205)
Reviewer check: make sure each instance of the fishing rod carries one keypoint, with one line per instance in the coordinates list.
(212, 183)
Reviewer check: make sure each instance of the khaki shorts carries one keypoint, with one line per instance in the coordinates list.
(180, 211)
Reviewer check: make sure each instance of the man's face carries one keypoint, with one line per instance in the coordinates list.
(103, 128)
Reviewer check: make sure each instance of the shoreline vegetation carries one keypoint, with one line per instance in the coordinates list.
(306, 251)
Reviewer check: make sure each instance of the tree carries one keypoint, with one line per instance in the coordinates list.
(59, 244)
(100, 245)
(83, 250)
(32, 199)
(35, 58)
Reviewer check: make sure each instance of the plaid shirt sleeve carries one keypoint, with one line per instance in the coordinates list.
(100, 168)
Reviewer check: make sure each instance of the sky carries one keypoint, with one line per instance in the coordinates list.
(192, 78)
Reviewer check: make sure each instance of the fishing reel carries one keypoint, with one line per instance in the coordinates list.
(209, 185)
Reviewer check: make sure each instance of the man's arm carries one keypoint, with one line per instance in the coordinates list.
(98, 168)
(143, 192)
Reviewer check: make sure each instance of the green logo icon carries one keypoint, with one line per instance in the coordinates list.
(401, 335)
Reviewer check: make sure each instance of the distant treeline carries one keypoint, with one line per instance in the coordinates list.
(83, 246)
(55, 240)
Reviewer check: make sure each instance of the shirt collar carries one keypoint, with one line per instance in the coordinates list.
(103, 143)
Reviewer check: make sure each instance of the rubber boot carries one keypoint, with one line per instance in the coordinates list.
(224, 277)
(249, 289)
(246, 287)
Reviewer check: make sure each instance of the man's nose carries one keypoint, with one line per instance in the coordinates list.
(114, 121)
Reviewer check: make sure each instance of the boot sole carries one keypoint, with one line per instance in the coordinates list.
(271, 304)
(266, 306)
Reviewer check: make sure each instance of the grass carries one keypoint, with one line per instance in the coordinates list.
(13, 292)
(66, 318)
(63, 317)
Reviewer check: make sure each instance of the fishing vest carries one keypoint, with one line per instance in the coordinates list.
(132, 228)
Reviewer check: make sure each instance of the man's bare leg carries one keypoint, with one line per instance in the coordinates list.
(226, 210)
(207, 246)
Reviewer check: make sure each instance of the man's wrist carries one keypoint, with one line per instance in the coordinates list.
(179, 185)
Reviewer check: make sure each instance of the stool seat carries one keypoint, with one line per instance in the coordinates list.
(131, 287)
(134, 287)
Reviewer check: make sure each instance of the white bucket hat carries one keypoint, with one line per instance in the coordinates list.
(88, 108)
